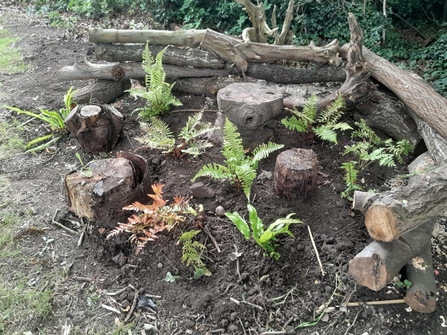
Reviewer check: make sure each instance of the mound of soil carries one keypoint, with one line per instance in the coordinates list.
(247, 292)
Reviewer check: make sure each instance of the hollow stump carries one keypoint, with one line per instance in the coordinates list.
(296, 174)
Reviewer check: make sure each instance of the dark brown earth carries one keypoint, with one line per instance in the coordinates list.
(281, 295)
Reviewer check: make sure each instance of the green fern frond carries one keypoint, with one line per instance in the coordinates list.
(310, 108)
(264, 150)
(232, 142)
(326, 134)
(293, 123)
(195, 128)
(158, 135)
(333, 112)
(246, 173)
(213, 170)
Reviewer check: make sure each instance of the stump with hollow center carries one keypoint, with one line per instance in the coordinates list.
(296, 174)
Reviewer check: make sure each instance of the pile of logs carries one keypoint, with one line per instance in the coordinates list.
(204, 61)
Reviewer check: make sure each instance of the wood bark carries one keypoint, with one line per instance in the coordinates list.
(96, 127)
(190, 38)
(379, 262)
(296, 174)
(173, 55)
(249, 105)
(101, 91)
(113, 184)
(84, 70)
(421, 296)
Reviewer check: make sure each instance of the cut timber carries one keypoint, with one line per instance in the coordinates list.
(421, 296)
(189, 38)
(113, 184)
(296, 174)
(96, 127)
(84, 70)
(101, 91)
(205, 86)
(173, 55)
(249, 105)
(379, 262)
(390, 214)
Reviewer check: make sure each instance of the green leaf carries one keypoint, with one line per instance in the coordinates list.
(240, 223)
(255, 222)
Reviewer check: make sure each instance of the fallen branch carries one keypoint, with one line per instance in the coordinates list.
(134, 304)
(68, 230)
(316, 251)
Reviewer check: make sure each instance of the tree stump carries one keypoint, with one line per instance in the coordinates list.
(96, 127)
(249, 105)
(100, 191)
(296, 174)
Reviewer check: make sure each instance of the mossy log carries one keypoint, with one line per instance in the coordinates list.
(109, 185)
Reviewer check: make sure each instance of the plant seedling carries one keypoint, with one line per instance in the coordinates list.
(240, 169)
(263, 237)
(192, 254)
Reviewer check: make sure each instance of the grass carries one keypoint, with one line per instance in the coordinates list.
(11, 141)
(10, 58)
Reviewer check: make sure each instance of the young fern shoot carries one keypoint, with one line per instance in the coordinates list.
(190, 139)
(157, 92)
(324, 125)
(239, 168)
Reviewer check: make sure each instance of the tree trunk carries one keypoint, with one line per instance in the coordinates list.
(112, 184)
(96, 127)
(101, 91)
(296, 174)
(173, 55)
(190, 38)
(84, 70)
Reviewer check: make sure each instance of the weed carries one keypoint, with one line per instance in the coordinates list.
(159, 136)
(152, 219)
(10, 58)
(157, 92)
(263, 237)
(350, 179)
(328, 120)
(240, 169)
(192, 254)
(85, 170)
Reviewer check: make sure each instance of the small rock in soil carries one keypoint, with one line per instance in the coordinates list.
(220, 211)
(200, 191)
(224, 322)
(233, 328)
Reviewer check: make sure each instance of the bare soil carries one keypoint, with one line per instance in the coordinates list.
(273, 295)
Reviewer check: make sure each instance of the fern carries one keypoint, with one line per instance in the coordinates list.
(350, 179)
(239, 168)
(190, 141)
(192, 253)
(328, 120)
(157, 92)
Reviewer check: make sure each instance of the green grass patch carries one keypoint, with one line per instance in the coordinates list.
(10, 58)
(11, 141)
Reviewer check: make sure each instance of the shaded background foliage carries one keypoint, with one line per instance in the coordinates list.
(415, 30)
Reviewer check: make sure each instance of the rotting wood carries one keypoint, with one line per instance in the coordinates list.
(189, 38)
(114, 183)
(96, 127)
(101, 91)
(296, 174)
(173, 55)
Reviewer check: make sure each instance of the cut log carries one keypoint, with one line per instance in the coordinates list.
(379, 262)
(296, 174)
(96, 127)
(390, 214)
(205, 86)
(421, 296)
(101, 91)
(190, 38)
(249, 105)
(173, 55)
(85, 70)
(111, 184)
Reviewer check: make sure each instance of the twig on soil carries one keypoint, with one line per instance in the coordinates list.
(117, 292)
(83, 279)
(215, 331)
(207, 231)
(380, 302)
(60, 225)
(242, 325)
(316, 251)
(134, 304)
(279, 332)
(152, 296)
(353, 323)
(114, 310)
(236, 252)
(237, 302)
(84, 230)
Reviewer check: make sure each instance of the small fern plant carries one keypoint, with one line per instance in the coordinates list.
(192, 254)
(152, 219)
(324, 125)
(265, 238)
(240, 169)
(53, 119)
(369, 147)
(157, 93)
(350, 179)
(190, 139)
